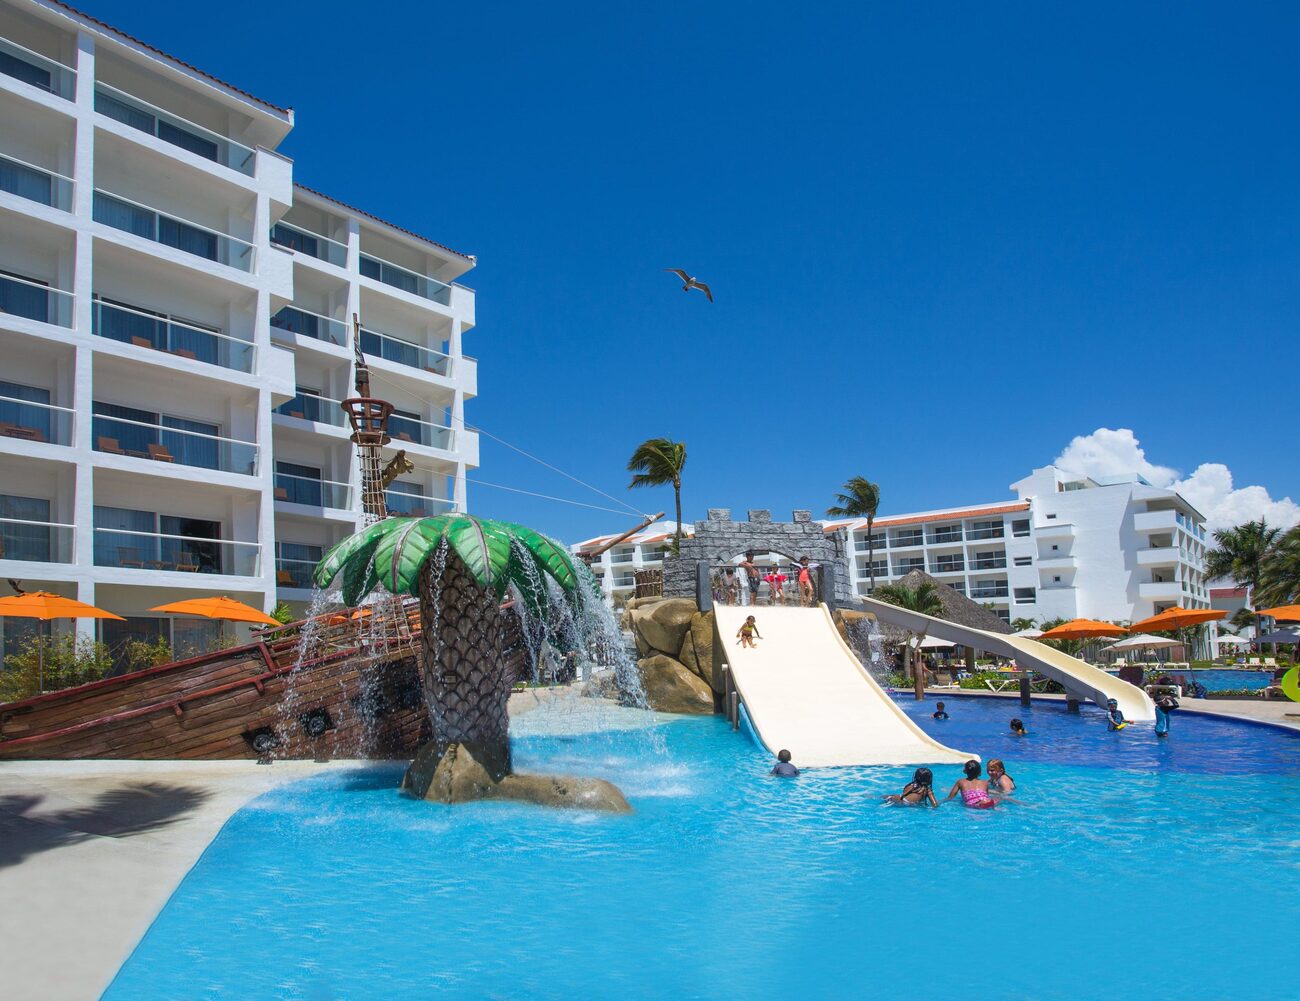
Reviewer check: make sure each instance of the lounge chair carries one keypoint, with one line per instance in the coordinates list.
(281, 493)
(109, 445)
(1270, 662)
(159, 453)
(284, 578)
(128, 556)
(142, 342)
(1253, 662)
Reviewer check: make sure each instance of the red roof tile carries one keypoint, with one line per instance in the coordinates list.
(166, 55)
(370, 215)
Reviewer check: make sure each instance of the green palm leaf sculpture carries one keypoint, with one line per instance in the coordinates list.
(473, 647)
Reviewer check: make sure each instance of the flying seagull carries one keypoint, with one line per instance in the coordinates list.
(690, 282)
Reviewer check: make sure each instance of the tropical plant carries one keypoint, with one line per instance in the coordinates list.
(1072, 647)
(658, 462)
(139, 654)
(68, 660)
(1021, 624)
(461, 568)
(1279, 577)
(923, 598)
(283, 613)
(1242, 618)
(1240, 553)
(860, 499)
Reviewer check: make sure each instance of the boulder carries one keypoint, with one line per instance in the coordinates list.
(670, 687)
(702, 642)
(463, 773)
(663, 624)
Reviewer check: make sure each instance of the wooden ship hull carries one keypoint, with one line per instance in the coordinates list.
(355, 692)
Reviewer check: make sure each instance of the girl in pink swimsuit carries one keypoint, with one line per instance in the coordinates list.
(974, 790)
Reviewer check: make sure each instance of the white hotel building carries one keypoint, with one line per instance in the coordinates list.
(1068, 547)
(616, 567)
(175, 329)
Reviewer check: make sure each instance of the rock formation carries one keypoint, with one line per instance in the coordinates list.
(675, 647)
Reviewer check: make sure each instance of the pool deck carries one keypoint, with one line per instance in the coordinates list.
(90, 851)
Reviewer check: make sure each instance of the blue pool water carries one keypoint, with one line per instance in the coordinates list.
(1163, 870)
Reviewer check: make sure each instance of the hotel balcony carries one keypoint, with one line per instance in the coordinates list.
(32, 420)
(294, 573)
(309, 244)
(1158, 556)
(25, 541)
(310, 492)
(1160, 590)
(35, 70)
(404, 279)
(146, 329)
(908, 541)
(379, 346)
(33, 299)
(1057, 562)
(941, 568)
(167, 444)
(411, 505)
(304, 323)
(418, 432)
(314, 409)
(190, 136)
(989, 563)
(982, 591)
(1156, 521)
(37, 184)
(155, 551)
(140, 220)
(1054, 530)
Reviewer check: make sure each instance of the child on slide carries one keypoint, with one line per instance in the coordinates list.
(918, 792)
(746, 633)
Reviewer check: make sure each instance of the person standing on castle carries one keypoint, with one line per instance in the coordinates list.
(753, 575)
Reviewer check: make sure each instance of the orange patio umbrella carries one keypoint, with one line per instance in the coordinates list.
(46, 606)
(218, 608)
(1177, 618)
(1083, 629)
(1283, 613)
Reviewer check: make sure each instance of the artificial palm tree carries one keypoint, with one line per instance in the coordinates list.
(1279, 575)
(923, 598)
(655, 463)
(860, 499)
(461, 568)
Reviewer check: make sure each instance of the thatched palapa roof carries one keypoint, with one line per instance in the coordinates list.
(956, 608)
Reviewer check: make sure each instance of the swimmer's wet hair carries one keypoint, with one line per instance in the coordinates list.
(923, 777)
(1016, 724)
(972, 768)
(783, 755)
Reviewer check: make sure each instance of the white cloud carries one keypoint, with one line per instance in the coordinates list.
(1116, 451)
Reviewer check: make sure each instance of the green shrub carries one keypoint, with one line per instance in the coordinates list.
(138, 654)
(69, 661)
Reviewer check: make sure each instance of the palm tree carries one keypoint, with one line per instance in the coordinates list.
(469, 643)
(1279, 575)
(1240, 554)
(923, 598)
(1021, 624)
(860, 499)
(656, 462)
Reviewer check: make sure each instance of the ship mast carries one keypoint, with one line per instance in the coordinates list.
(369, 420)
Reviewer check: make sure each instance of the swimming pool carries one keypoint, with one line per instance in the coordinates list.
(1133, 866)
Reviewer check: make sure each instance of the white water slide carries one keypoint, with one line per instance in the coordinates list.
(1080, 680)
(805, 690)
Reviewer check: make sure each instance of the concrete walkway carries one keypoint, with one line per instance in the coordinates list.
(90, 851)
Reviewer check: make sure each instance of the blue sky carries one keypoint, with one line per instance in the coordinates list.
(945, 239)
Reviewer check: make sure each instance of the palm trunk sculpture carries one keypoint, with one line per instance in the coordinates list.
(462, 568)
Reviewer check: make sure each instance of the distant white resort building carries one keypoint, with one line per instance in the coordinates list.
(1069, 546)
(615, 568)
(176, 329)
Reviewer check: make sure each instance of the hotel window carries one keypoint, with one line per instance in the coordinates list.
(1026, 595)
(1020, 528)
(986, 530)
(24, 528)
(1024, 561)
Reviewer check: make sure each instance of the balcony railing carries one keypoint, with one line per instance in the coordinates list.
(38, 184)
(377, 345)
(987, 533)
(948, 567)
(29, 421)
(952, 535)
(24, 297)
(168, 445)
(312, 492)
(128, 550)
(994, 563)
(415, 505)
(302, 241)
(906, 568)
(161, 333)
(618, 558)
(294, 573)
(317, 409)
(420, 432)
(988, 592)
(38, 70)
(900, 541)
(305, 323)
(35, 541)
(142, 115)
(143, 221)
(405, 279)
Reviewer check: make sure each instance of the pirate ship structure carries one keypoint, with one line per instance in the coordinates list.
(337, 684)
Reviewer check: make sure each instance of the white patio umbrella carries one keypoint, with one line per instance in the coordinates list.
(934, 643)
(1144, 641)
(1029, 634)
(1230, 640)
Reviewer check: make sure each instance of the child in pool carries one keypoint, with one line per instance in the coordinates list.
(747, 631)
(784, 767)
(1000, 783)
(973, 789)
(939, 712)
(918, 792)
(1018, 728)
(1165, 704)
(1114, 716)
